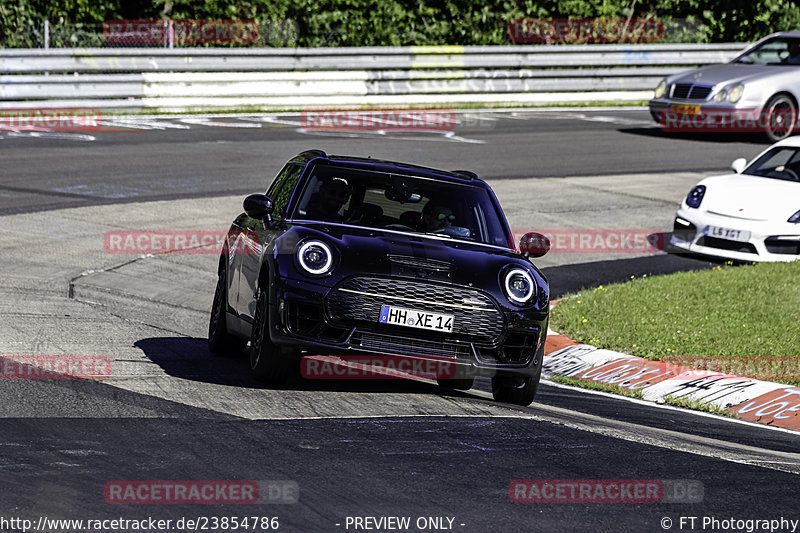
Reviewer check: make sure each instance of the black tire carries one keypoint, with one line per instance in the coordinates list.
(518, 390)
(266, 364)
(220, 341)
(780, 115)
(456, 383)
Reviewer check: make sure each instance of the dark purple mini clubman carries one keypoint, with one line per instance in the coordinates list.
(347, 255)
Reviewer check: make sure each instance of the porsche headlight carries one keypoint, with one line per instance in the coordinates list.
(315, 257)
(794, 219)
(661, 88)
(695, 196)
(519, 286)
(736, 93)
(721, 96)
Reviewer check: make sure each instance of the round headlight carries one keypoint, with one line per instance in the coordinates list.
(736, 94)
(721, 96)
(661, 88)
(315, 257)
(519, 286)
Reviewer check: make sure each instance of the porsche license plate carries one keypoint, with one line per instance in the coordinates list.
(414, 318)
(728, 233)
(683, 109)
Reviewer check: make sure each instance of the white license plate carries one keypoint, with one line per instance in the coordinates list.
(728, 233)
(414, 318)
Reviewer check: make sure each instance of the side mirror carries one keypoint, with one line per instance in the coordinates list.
(738, 165)
(258, 206)
(534, 244)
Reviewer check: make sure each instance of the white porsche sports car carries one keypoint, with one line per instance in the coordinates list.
(752, 215)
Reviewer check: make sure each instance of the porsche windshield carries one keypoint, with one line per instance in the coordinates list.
(781, 163)
(401, 203)
(778, 51)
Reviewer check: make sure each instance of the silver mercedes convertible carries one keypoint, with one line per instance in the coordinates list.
(758, 91)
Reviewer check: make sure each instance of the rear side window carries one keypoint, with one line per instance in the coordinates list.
(280, 192)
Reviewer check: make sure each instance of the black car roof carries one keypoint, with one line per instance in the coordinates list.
(460, 176)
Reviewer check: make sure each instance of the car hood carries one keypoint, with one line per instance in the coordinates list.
(729, 73)
(397, 254)
(751, 197)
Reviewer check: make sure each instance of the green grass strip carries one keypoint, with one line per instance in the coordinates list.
(749, 311)
(592, 385)
(697, 405)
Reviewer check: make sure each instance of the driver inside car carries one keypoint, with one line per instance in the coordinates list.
(327, 204)
(436, 216)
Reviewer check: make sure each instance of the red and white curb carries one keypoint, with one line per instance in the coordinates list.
(765, 402)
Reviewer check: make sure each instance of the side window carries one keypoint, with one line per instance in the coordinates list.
(281, 189)
(772, 52)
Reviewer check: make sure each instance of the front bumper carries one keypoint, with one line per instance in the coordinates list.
(767, 242)
(323, 321)
(709, 114)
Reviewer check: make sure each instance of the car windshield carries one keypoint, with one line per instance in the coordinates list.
(402, 203)
(781, 163)
(777, 51)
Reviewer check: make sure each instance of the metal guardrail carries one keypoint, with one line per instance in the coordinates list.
(208, 78)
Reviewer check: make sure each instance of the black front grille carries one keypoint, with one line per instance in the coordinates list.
(306, 320)
(782, 246)
(725, 244)
(518, 349)
(687, 91)
(684, 233)
(394, 344)
(358, 302)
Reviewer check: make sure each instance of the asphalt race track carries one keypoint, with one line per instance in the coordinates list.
(170, 411)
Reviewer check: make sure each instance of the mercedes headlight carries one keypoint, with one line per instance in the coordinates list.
(661, 88)
(721, 96)
(315, 257)
(519, 286)
(736, 93)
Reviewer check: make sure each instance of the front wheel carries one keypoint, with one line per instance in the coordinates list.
(220, 341)
(266, 364)
(780, 117)
(518, 390)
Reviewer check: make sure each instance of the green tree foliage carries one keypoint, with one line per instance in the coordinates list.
(409, 22)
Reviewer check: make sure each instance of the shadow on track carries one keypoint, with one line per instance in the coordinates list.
(755, 139)
(189, 358)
